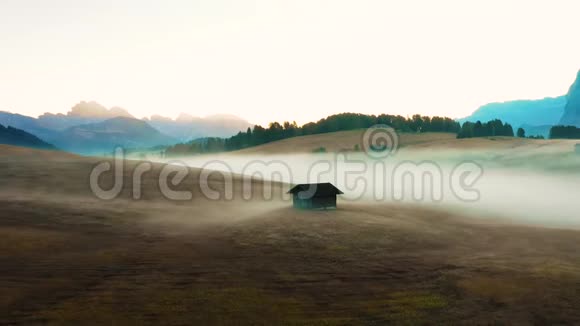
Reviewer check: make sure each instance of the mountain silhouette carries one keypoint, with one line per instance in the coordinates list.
(547, 111)
(90, 127)
(105, 136)
(571, 115)
(187, 127)
(18, 137)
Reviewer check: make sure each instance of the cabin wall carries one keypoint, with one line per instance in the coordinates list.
(324, 202)
(314, 202)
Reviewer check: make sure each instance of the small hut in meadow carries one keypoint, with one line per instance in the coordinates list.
(314, 195)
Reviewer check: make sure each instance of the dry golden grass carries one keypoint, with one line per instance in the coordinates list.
(8, 152)
(346, 141)
(20, 241)
(67, 258)
(338, 141)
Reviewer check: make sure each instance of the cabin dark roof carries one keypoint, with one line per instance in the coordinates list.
(322, 189)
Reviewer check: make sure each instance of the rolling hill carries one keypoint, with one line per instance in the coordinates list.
(346, 140)
(339, 141)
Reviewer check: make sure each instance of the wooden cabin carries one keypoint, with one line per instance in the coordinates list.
(314, 195)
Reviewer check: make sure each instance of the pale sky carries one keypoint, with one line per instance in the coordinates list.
(284, 60)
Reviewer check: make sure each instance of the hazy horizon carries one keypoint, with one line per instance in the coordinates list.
(234, 115)
(274, 60)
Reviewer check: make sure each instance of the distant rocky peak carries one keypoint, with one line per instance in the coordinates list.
(571, 115)
(157, 117)
(184, 117)
(575, 88)
(119, 112)
(93, 109)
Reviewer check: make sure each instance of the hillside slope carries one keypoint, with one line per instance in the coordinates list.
(340, 141)
(346, 141)
(68, 258)
(18, 137)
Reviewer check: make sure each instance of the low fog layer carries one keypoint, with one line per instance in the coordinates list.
(524, 188)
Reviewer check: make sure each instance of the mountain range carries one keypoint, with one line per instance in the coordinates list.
(535, 116)
(104, 136)
(546, 111)
(186, 127)
(90, 128)
(81, 113)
